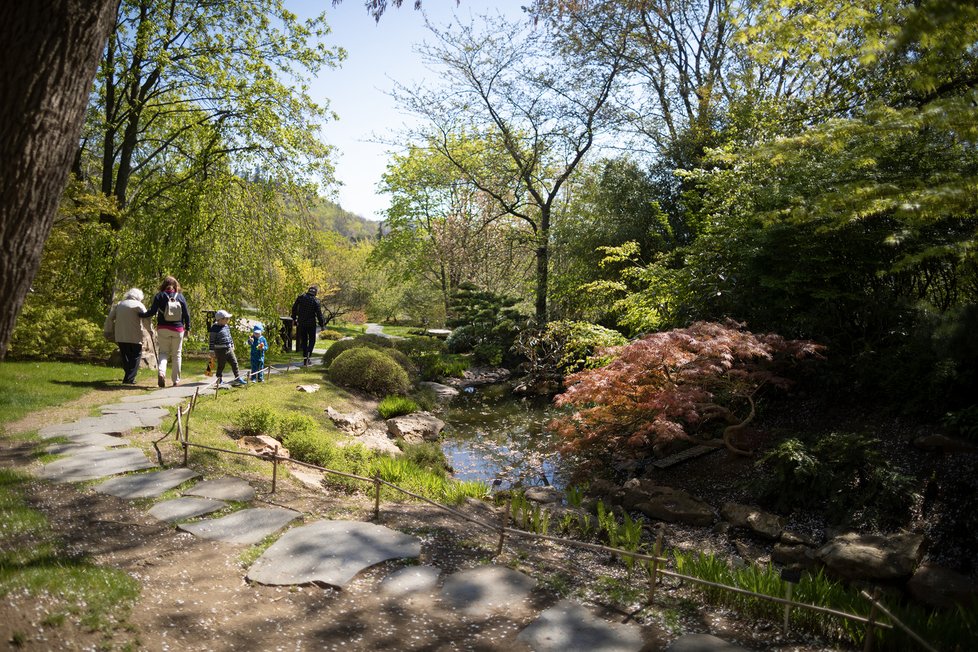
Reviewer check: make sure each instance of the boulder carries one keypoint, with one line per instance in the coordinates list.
(795, 556)
(764, 524)
(265, 445)
(872, 557)
(375, 439)
(752, 553)
(792, 538)
(442, 392)
(944, 444)
(416, 427)
(676, 506)
(543, 495)
(942, 587)
(480, 376)
(351, 423)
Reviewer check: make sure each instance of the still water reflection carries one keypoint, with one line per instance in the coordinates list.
(493, 436)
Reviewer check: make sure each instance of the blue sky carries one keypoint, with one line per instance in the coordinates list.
(377, 54)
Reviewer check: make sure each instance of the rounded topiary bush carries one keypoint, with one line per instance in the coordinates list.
(336, 349)
(370, 342)
(370, 370)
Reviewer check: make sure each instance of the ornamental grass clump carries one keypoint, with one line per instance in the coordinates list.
(372, 371)
(395, 406)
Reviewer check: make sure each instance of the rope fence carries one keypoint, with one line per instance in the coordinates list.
(502, 529)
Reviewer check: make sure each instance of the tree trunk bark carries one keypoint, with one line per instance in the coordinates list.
(49, 52)
(543, 266)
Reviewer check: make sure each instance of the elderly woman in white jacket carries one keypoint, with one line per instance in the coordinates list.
(125, 328)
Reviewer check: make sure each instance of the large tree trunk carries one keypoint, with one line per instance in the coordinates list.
(49, 52)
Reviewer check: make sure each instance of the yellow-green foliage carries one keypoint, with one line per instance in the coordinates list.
(370, 370)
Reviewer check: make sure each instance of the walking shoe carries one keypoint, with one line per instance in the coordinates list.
(237, 382)
(161, 381)
(176, 382)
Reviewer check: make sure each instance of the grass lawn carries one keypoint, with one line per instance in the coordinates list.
(30, 386)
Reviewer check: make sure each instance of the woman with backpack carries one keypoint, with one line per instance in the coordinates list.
(172, 324)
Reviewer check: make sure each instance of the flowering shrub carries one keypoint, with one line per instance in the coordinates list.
(661, 386)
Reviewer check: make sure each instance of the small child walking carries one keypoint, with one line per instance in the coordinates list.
(258, 345)
(223, 347)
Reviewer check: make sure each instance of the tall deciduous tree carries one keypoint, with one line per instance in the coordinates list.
(518, 90)
(50, 55)
(444, 230)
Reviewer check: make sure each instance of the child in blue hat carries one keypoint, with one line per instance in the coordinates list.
(258, 345)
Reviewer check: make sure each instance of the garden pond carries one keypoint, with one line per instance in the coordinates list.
(493, 436)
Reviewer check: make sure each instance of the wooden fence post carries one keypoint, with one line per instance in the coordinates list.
(653, 576)
(186, 445)
(502, 529)
(274, 467)
(870, 629)
(376, 496)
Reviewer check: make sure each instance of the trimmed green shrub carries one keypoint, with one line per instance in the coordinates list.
(336, 349)
(380, 340)
(257, 420)
(370, 370)
(330, 335)
(376, 342)
(293, 424)
(395, 406)
(420, 345)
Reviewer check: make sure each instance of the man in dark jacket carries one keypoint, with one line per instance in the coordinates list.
(306, 313)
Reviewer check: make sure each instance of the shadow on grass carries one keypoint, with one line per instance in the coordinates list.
(100, 385)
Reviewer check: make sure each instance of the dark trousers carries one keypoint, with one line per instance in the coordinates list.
(131, 355)
(224, 356)
(305, 338)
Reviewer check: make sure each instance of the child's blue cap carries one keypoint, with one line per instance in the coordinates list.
(258, 328)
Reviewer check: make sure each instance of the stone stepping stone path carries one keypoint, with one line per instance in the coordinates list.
(570, 626)
(223, 489)
(488, 590)
(90, 440)
(330, 552)
(247, 526)
(146, 485)
(95, 463)
(404, 582)
(118, 423)
(181, 509)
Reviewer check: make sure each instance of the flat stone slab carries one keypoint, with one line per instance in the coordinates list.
(330, 552)
(91, 440)
(702, 643)
(143, 411)
(247, 526)
(71, 449)
(684, 456)
(223, 489)
(94, 464)
(154, 400)
(181, 391)
(107, 424)
(487, 590)
(569, 626)
(180, 509)
(412, 579)
(145, 485)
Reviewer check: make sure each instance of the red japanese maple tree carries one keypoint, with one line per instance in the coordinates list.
(665, 386)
